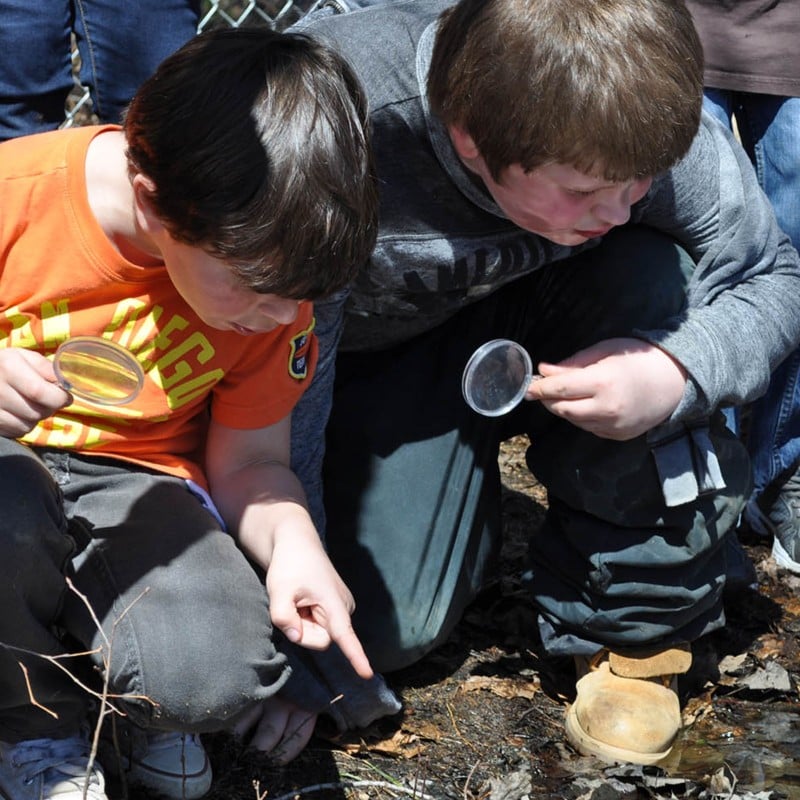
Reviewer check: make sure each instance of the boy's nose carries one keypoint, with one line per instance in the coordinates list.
(614, 210)
(283, 310)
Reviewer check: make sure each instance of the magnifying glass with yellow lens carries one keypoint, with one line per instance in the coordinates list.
(99, 371)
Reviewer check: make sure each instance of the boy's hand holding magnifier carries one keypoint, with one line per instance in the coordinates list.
(89, 368)
(617, 389)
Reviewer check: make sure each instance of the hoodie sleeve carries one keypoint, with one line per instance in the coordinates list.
(742, 315)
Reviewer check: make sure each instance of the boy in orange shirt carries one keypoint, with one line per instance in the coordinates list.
(238, 190)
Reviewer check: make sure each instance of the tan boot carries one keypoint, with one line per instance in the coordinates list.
(627, 707)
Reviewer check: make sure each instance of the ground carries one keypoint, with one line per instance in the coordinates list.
(482, 716)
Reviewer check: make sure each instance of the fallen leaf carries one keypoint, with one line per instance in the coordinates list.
(402, 744)
(502, 687)
(730, 665)
(769, 646)
(771, 678)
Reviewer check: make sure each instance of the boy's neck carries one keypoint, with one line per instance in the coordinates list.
(111, 199)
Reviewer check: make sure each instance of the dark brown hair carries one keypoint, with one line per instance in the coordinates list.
(610, 87)
(257, 144)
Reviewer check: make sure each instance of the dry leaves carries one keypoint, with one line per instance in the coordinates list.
(502, 687)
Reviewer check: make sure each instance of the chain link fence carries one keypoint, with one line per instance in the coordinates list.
(278, 14)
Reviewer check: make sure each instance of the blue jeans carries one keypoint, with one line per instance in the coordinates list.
(769, 128)
(120, 44)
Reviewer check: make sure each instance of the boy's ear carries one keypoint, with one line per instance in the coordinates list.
(143, 190)
(463, 143)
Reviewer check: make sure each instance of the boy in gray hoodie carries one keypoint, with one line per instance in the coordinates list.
(546, 176)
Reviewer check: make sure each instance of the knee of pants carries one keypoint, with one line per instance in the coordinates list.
(398, 636)
(189, 643)
(619, 483)
(639, 274)
(635, 279)
(27, 489)
(404, 648)
(196, 685)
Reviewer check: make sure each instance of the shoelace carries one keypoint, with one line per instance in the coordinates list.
(65, 758)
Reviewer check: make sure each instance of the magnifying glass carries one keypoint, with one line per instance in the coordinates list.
(496, 377)
(98, 371)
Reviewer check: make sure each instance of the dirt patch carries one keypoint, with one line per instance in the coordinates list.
(482, 716)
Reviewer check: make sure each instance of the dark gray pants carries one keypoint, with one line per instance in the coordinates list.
(186, 632)
(412, 489)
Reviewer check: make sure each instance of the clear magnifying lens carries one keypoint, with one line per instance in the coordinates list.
(97, 370)
(496, 377)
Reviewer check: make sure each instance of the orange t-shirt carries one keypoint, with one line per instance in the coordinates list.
(60, 277)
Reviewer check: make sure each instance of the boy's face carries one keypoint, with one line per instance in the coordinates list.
(555, 201)
(209, 286)
(561, 204)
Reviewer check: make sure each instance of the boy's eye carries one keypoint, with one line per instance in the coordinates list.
(581, 193)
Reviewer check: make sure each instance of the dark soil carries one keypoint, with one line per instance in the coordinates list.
(482, 716)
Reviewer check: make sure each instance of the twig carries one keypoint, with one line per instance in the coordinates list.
(417, 774)
(458, 731)
(31, 697)
(321, 787)
(469, 778)
(55, 661)
(105, 706)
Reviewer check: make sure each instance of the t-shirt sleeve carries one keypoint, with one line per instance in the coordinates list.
(267, 381)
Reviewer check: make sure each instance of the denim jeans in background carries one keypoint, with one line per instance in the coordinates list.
(120, 44)
(769, 128)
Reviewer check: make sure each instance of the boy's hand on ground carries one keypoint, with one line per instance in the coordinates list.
(28, 391)
(277, 727)
(616, 389)
(310, 603)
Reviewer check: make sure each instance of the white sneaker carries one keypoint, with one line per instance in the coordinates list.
(777, 513)
(50, 769)
(168, 763)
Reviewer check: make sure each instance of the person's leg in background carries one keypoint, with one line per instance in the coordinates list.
(121, 44)
(774, 444)
(35, 70)
(719, 103)
(769, 129)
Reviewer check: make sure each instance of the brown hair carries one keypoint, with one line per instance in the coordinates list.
(610, 87)
(256, 142)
